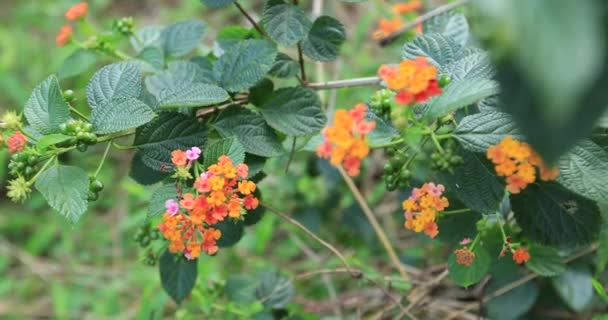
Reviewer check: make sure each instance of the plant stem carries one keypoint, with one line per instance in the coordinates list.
(356, 82)
(302, 67)
(431, 14)
(375, 225)
(116, 135)
(311, 234)
(475, 241)
(436, 142)
(78, 113)
(103, 159)
(388, 144)
(44, 167)
(443, 136)
(122, 55)
(291, 154)
(250, 18)
(456, 211)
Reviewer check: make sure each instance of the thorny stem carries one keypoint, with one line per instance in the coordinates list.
(311, 234)
(375, 225)
(103, 159)
(250, 19)
(355, 82)
(429, 15)
(44, 167)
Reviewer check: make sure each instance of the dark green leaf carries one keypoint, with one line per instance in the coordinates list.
(324, 40)
(192, 95)
(261, 92)
(120, 114)
(455, 227)
(550, 214)
(294, 111)
(46, 109)
(474, 65)
(65, 188)
(217, 3)
(284, 67)
(118, 80)
(275, 290)
(459, 94)
(232, 232)
(479, 131)
(143, 174)
(286, 23)
(180, 38)
(465, 276)
(514, 303)
(244, 64)
(230, 147)
(382, 133)
(77, 63)
(240, 288)
(177, 275)
(584, 170)
(545, 261)
(439, 49)
(159, 197)
(575, 287)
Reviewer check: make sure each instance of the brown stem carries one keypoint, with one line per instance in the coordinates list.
(205, 111)
(375, 225)
(431, 14)
(250, 18)
(357, 82)
(302, 68)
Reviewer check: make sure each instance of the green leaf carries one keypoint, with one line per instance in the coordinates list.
(324, 40)
(475, 65)
(143, 174)
(177, 275)
(475, 183)
(294, 111)
(382, 133)
(455, 227)
(251, 130)
(65, 188)
(512, 304)
(77, 63)
(459, 94)
(180, 38)
(169, 131)
(193, 95)
(439, 49)
(602, 247)
(479, 131)
(230, 147)
(275, 290)
(584, 170)
(159, 197)
(152, 58)
(51, 139)
(148, 36)
(545, 261)
(550, 214)
(599, 289)
(46, 109)
(120, 114)
(217, 3)
(178, 76)
(232, 231)
(465, 276)
(244, 64)
(261, 92)
(240, 288)
(284, 67)
(285, 23)
(117, 80)
(451, 24)
(575, 287)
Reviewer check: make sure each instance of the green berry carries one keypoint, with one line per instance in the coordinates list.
(388, 168)
(93, 196)
(405, 174)
(145, 241)
(154, 235)
(444, 80)
(96, 186)
(82, 147)
(391, 186)
(68, 95)
(32, 160)
(456, 160)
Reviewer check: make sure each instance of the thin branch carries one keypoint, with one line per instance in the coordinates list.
(302, 67)
(354, 273)
(431, 14)
(250, 18)
(357, 82)
(291, 154)
(514, 285)
(205, 111)
(375, 225)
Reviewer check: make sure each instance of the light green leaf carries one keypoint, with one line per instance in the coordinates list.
(46, 109)
(193, 95)
(169, 131)
(584, 170)
(451, 24)
(122, 80)
(465, 276)
(180, 38)
(324, 40)
(159, 197)
(552, 215)
(51, 139)
(148, 36)
(230, 147)
(275, 290)
(575, 287)
(217, 3)
(285, 23)
(244, 64)
(152, 58)
(459, 94)
(294, 111)
(599, 289)
(177, 275)
(439, 49)
(120, 114)
(382, 134)
(472, 66)
(545, 261)
(479, 131)
(77, 63)
(251, 130)
(65, 188)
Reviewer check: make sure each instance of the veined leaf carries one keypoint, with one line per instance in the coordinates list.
(65, 188)
(460, 94)
(180, 38)
(46, 109)
(120, 114)
(193, 95)
(285, 22)
(324, 40)
(437, 48)
(294, 111)
(177, 275)
(584, 170)
(479, 131)
(451, 24)
(122, 79)
(244, 64)
(226, 146)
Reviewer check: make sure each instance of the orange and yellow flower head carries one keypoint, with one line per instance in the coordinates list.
(413, 80)
(422, 207)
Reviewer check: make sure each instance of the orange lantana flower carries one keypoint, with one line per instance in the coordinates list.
(387, 27)
(413, 80)
(406, 7)
(422, 206)
(64, 36)
(77, 11)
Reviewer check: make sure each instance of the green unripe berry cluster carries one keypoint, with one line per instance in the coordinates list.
(95, 187)
(395, 172)
(123, 26)
(144, 237)
(381, 104)
(82, 131)
(24, 164)
(446, 161)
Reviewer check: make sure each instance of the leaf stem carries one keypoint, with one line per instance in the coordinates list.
(375, 225)
(502, 230)
(103, 159)
(44, 167)
(448, 212)
(116, 135)
(388, 144)
(347, 83)
(302, 67)
(291, 154)
(78, 113)
(436, 142)
(250, 18)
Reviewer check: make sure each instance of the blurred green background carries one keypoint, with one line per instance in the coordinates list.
(50, 269)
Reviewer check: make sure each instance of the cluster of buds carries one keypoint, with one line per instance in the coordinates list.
(422, 207)
(516, 161)
(123, 26)
(345, 142)
(520, 254)
(74, 13)
(413, 80)
(222, 192)
(81, 131)
(396, 173)
(380, 103)
(446, 160)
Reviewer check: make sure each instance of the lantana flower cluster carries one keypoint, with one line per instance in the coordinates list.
(220, 192)
(422, 206)
(516, 161)
(413, 80)
(386, 27)
(345, 142)
(16, 141)
(74, 13)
